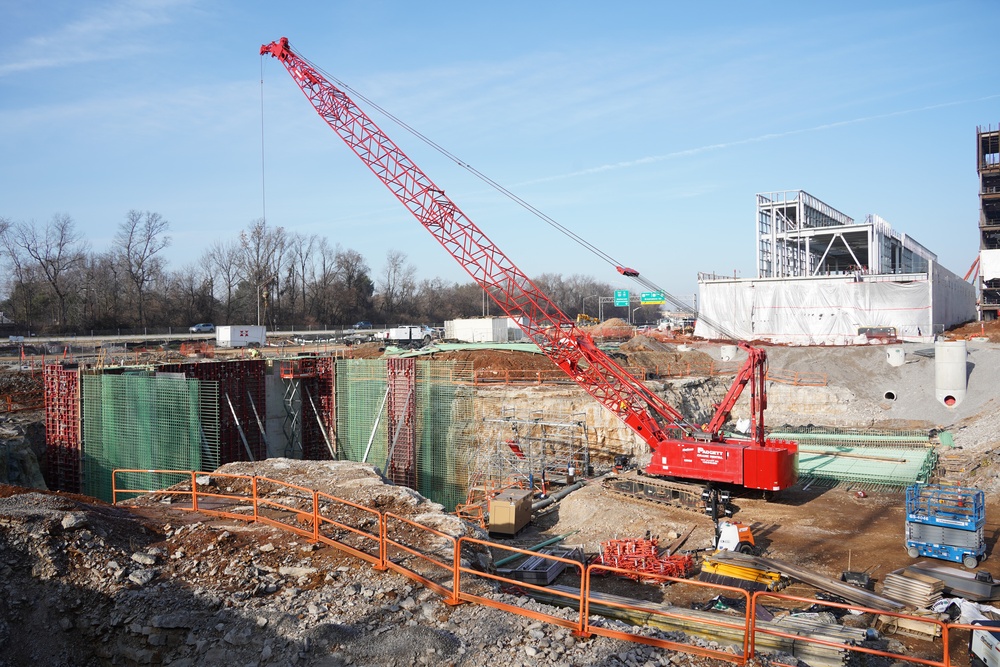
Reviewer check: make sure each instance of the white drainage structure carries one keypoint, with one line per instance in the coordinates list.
(950, 376)
(895, 356)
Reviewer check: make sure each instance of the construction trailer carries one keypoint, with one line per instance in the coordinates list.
(243, 335)
(946, 522)
(824, 279)
(478, 330)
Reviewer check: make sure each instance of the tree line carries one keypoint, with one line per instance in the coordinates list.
(56, 283)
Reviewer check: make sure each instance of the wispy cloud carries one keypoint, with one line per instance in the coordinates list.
(639, 162)
(108, 31)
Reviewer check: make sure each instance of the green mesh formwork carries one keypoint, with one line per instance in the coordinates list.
(444, 431)
(882, 466)
(360, 405)
(141, 421)
(445, 434)
(855, 437)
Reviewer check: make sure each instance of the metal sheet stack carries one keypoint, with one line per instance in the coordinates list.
(916, 590)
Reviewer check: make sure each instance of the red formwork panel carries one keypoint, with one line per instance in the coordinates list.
(241, 390)
(62, 427)
(318, 410)
(401, 413)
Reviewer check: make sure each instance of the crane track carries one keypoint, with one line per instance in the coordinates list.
(684, 495)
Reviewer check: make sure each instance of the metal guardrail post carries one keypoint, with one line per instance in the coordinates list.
(194, 491)
(253, 488)
(315, 537)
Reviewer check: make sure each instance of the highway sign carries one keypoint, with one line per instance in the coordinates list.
(651, 298)
(621, 297)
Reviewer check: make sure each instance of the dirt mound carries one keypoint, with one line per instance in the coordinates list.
(500, 360)
(990, 330)
(659, 358)
(366, 351)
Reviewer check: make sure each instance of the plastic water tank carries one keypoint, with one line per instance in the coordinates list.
(950, 375)
(895, 356)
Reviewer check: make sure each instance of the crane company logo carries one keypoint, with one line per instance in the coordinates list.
(711, 453)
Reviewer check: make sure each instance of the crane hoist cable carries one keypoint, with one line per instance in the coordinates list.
(619, 266)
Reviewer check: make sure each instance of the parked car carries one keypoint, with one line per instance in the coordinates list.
(202, 327)
(362, 325)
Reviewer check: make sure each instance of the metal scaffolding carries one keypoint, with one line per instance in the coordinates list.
(531, 449)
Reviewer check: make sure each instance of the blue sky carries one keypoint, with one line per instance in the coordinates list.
(645, 127)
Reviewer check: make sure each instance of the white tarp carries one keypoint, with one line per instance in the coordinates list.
(830, 311)
(989, 264)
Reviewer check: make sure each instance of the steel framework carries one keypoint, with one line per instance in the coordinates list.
(798, 235)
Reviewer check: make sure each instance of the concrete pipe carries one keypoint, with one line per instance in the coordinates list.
(950, 376)
(895, 356)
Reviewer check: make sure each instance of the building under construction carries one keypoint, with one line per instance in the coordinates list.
(823, 278)
(988, 166)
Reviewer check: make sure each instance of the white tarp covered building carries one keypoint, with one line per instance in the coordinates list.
(825, 280)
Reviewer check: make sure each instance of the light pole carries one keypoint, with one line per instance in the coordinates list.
(632, 319)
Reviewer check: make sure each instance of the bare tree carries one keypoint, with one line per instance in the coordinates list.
(21, 277)
(262, 250)
(301, 247)
(59, 251)
(397, 284)
(224, 260)
(140, 237)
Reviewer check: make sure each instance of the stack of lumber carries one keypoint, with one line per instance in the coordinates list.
(912, 588)
(704, 624)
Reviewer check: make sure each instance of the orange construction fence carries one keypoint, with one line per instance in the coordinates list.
(442, 563)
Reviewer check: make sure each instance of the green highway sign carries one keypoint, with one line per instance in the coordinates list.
(621, 297)
(651, 298)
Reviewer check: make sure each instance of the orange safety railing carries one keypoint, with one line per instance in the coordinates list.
(797, 378)
(523, 376)
(798, 638)
(667, 614)
(445, 544)
(434, 559)
(21, 402)
(570, 599)
(363, 541)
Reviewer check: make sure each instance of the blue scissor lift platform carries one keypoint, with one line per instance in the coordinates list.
(946, 522)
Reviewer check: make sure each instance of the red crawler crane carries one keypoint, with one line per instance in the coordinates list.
(679, 450)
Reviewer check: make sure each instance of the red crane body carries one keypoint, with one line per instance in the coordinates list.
(696, 454)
